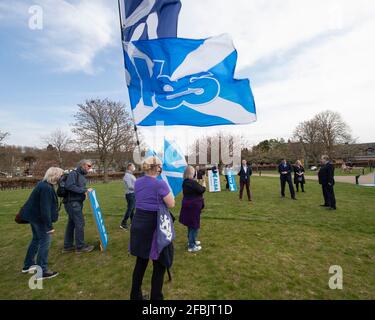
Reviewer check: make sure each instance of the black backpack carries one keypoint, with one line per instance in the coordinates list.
(61, 191)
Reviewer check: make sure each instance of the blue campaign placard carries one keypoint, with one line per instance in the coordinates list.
(98, 219)
(214, 181)
(232, 181)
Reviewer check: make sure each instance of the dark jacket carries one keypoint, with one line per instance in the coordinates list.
(76, 185)
(192, 203)
(326, 174)
(42, 205)
(200, 173)
(296, 176)
(245, 176)
(287, 168)
(192, 189)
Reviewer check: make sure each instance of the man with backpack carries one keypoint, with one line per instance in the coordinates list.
(74, 195)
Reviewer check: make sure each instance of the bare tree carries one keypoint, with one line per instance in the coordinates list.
(332, 130)
(3, 135)
(60, 142)
(323, 134)
(105, 126)
(220, 148)
(308, 134)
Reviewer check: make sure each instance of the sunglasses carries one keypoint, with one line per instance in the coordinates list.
(89, 165)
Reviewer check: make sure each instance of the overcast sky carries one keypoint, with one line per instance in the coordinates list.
(301, 57)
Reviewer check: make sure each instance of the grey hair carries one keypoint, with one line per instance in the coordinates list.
(53, 175)
(83, 162)
(189, 172)
(325, 157)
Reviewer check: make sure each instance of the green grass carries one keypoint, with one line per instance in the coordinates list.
(272, 248)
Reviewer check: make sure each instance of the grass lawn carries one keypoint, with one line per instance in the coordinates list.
(271, 248)
(338, 172)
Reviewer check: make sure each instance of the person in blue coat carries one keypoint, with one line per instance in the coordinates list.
(41, 211)
(285, 170)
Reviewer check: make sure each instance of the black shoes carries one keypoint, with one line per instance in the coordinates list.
(124, 227)
(67, 250)
(85, 249)
(49, 275)
(45, 275)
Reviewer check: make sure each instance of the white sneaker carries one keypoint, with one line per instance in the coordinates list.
(195, 249)
(32, 268)
(197, 243)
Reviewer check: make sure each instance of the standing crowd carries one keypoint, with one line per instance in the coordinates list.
(145, 197)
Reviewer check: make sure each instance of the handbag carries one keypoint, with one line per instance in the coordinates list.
(19, 218)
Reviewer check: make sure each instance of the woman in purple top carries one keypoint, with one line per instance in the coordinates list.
(192, 205)
(149, 194)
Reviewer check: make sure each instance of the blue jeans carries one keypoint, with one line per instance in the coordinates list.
(39, 244)
(130, 199)
(75, 226)
(192, 236)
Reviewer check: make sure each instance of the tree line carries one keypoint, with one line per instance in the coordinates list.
(103, 131)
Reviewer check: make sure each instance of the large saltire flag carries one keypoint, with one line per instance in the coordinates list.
(146, 19)
(187, 82)
(149, 19)
(174, 164)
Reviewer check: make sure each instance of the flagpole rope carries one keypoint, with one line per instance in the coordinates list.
(122, 43)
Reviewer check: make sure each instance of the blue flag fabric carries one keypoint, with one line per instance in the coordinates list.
(187, 82)
(174, 164)
(149, 19)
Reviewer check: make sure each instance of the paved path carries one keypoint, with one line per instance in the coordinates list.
(369, 178)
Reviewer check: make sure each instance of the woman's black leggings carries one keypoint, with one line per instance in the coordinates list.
(156, 280)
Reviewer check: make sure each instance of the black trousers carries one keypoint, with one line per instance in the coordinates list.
(227, 182)
(283, 181)
(242, 185)
(302, 186)
(329, 196)
(156, 280)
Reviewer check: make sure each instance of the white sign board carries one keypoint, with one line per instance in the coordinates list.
(214, 181)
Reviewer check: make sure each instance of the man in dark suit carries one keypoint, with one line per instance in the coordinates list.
(245, 173)
(285, 170)
(326, 179)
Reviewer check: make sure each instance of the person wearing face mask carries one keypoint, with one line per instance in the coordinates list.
(73, 203)
(129, 181)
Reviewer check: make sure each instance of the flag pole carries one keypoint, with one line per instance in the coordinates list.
(123, 48)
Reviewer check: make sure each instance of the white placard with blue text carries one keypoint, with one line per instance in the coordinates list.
(97, 212)
(214, 181)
